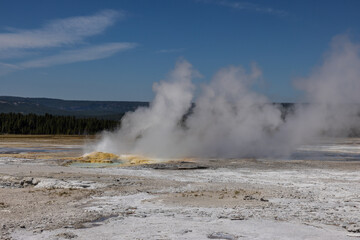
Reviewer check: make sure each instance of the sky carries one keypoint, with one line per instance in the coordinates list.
(116, 50)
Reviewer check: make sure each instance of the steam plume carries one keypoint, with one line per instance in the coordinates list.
(230, 120)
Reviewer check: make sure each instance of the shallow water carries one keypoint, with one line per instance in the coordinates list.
(323, 155)
(346, 149)
(339, 149)
(8, 150)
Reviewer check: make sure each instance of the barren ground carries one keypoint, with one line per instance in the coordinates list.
(41, 198)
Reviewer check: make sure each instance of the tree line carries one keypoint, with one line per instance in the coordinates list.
(17, 123)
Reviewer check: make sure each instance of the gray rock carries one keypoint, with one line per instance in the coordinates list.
(185, 231)
(66, 235)
(249, 197)
(28, 180)
(221, 235)
(355, 228)
(35, 181)
(236, 217)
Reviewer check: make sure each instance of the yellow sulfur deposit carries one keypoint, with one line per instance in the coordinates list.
(100, 157)
(122, 160)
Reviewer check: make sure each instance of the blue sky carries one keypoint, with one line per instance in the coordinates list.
(116, 50)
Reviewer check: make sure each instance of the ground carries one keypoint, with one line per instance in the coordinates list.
(44, 196)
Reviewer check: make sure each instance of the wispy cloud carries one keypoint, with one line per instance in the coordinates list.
(172, 50)
(22, 46)
(246, 6)
(15, 53)
(59, 32)
(66, 57)
(79, 55)
(7, 68)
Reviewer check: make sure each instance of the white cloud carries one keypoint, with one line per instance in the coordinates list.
(246, 6)
(79, 55)
(30, 47)
(15, 53)
(59, 32)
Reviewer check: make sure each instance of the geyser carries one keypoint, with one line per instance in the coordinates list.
(229, 119)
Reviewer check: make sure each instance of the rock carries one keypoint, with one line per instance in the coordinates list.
(66, 235)
(37, 231)
(355, 228)
(35, 181)
(28, 180)
(3, 205)
(221, 235)
(185, 231)
(237, 217)
(249, 197)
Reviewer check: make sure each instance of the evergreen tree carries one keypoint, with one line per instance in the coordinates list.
(17, 123)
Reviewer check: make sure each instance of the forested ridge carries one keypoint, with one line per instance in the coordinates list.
(17, 123)
(112, 110)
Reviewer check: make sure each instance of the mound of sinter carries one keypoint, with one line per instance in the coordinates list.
(103, 157)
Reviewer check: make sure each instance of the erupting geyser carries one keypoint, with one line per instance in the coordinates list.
(229, 119)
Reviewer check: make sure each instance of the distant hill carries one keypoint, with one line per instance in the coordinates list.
(99, 109)
(111, 110)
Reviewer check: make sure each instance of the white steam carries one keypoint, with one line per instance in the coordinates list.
(230, 120)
